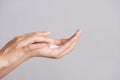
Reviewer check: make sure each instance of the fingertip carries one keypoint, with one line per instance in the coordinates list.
(79, 30)
(46, 32)
(76, 34)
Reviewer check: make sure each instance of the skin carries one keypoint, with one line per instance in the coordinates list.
(35, 44)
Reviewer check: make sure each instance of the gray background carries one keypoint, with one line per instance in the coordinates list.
(97, 54)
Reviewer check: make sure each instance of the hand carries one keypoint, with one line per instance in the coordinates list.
(33, 44)
(66, 45)
(15, 49)
(37, 44)
(14, 53)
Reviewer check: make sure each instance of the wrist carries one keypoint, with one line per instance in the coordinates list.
(14, 58)
(3, 61)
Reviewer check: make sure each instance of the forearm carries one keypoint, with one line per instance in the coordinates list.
(10, 62)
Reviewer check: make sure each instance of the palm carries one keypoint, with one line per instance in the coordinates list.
(47, 51)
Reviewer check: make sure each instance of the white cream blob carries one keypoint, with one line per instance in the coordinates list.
(52, 46)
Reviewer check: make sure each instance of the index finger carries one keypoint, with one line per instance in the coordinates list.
(73, 39)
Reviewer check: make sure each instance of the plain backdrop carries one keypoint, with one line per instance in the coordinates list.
(97, 54)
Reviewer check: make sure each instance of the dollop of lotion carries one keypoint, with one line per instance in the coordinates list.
(52, 46)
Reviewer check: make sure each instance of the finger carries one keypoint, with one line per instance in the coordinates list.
(43, 33)
(27, 35)
(60, 42)
(35, 46)
(76, 33)
(73, 39)
(69, 45)
(63, 41)
(68, 50)
(34, 39)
